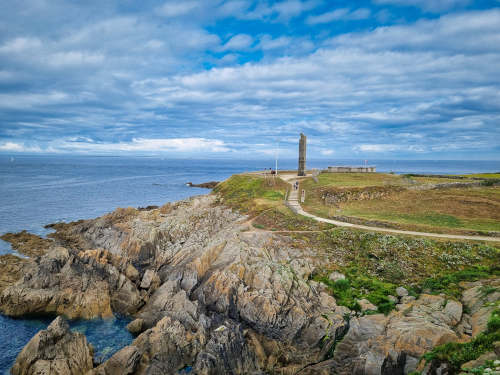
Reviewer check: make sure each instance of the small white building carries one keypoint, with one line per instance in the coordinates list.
(343, 169)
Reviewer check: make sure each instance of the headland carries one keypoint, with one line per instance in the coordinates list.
(236, 282)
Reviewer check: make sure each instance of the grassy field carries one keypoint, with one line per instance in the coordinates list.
(263, 200)
(483, 175)
(451, 210)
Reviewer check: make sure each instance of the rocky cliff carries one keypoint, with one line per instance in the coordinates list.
(207, 294)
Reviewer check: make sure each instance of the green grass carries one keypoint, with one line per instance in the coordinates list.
(483, 175)
(402, 260)
(264, 199)
(448, 283)
(353, 180)
(456, 354)
(455, 210)
(251, 193)
(358, 285)
(451, 210)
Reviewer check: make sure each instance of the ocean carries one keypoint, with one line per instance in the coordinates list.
(39, 190)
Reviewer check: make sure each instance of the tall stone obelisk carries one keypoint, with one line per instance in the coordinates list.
(302, 155)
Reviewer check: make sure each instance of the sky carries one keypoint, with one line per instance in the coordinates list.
(368, 79)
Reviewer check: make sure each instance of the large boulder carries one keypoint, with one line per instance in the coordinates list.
(55, 351)
(378, 344)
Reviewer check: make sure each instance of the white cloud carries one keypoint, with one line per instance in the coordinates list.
(238, 42)
(326, 152)
(33, 100)
(268, 43)
(20, 44)
(18, 147)
(376, 147)
(177, 8)
(344, 14)
(144, 145)
(428, 5)
(148, 145)
(74, 58)
(292, 8)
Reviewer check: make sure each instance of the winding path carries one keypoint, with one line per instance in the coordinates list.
(293, 203)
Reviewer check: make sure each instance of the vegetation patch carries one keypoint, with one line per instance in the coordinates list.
(252, 194)
(393, 201)
(264, 199)
(449, 282)
(280, 217)
(401, 260)
(456, 354)
(358, 285)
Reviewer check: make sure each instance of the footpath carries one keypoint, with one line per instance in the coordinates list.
(294, 203)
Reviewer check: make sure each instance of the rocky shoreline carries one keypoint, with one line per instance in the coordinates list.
(210, 297)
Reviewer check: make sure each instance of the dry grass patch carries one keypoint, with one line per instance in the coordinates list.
(476, 209)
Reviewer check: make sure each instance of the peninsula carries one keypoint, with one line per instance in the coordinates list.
(235, 282)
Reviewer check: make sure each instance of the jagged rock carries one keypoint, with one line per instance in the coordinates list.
(149, 279)
(393, 299)
(55, 350)
(376, 344)
(479, 304)
(207, 295)
(367, 305)
(454, 310)
(496, 347)
(491, 356)
(407, 299)
(131, 272)
(11, 269)
(334, 276)
(136, 326)
(401, 291)
(123, 362)
(75, 285)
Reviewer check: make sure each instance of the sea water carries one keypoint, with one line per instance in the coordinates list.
(39, 190)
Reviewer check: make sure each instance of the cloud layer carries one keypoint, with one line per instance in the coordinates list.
(196, 77)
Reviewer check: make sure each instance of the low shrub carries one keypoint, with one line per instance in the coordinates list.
(456, 354)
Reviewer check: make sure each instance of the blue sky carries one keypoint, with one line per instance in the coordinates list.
(413, 79)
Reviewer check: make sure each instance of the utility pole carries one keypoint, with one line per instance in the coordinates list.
(277, 153)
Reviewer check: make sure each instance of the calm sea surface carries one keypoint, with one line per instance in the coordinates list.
(39, 190)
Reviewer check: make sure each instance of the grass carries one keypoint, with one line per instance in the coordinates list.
(263, 199)
(358, 285)
(482, 175)
(448, 283)
(384, 198)
(401, 260)
(456, 354)
(354, 179)
(475, 209)
(251, 194)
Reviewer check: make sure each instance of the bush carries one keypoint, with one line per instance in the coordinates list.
(448, 283)
(357, 286)
(342, 285)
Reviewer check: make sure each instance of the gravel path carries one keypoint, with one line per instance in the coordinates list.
(294, 204)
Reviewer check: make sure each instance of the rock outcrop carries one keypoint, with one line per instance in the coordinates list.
(378, 344)
(209, 296)
(77, 285)
(55, 351)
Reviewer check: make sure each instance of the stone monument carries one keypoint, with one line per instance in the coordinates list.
(302, 155)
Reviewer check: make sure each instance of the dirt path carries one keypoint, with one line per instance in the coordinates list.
(294, 204)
